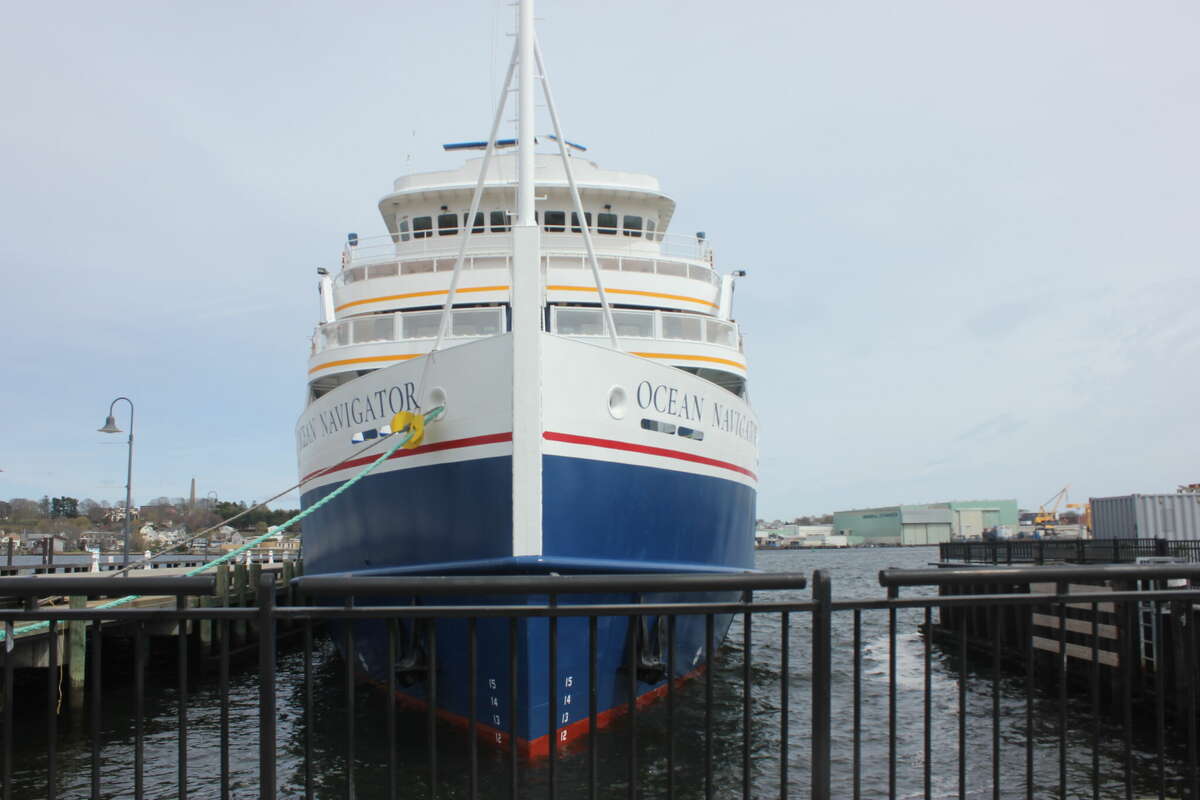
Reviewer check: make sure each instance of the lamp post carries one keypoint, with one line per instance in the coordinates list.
(110, 426)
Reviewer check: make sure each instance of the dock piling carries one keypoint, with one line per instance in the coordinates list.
(239, 599)
(76, 656)
(254, 573)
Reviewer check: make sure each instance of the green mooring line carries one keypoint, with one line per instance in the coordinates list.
(430, 416)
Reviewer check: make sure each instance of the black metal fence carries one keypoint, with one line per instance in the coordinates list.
(838, 698)
(1070, 551)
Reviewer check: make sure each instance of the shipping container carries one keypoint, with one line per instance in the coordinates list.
(1147, 516)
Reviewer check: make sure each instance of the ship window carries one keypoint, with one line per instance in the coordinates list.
(556, 221)
(650, 228)
(404, 230)
(421, 324)
(633, 225)
(475, 322)
(501, 221)
(422, 227)
(587, 217)
(635, 324)
(718, 332)
(682, 326)
(691, 433)
(606, 223)
(579, 321)
(655, 425)
(478, 226)
(447, 224)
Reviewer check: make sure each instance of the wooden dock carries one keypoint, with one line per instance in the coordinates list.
(234, 588)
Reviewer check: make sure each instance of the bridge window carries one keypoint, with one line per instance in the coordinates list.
(650, 228)
(587, 217)
(403, 226)
(556, 221)
(633, 225)
(501, 221)
(422, 227)
(447, 224)
(606, 223)
(478, 226)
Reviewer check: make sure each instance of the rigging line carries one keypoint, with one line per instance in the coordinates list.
(430, 416)
(583, 226)
(133, 565)
(468, 226)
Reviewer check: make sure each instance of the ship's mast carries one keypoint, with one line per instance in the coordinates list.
(526, 316)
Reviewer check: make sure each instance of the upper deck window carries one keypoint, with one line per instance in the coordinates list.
(403, 226)
(633, 225)
(606, 223)
(447, 224)
(478, 226)
(587, 216)
(422, 227)
(556, 221)
(501, 221)
(650, 228)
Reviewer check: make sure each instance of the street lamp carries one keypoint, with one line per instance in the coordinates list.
(110, 426)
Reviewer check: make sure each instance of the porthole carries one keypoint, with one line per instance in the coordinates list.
(437, 397)
(618, 401)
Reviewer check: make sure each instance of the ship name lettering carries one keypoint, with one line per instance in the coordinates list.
(670, 400)
(368, 408)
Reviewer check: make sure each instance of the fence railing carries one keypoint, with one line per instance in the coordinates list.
(1075, 551)
(996, 696)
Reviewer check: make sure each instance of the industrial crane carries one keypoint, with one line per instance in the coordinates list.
(1047, 515)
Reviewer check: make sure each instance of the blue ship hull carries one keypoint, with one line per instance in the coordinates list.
(598, 517)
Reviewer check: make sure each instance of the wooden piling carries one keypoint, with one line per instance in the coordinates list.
(222, 596)
(76, 656)
(289, 572)
(254, 571)
(239, 600)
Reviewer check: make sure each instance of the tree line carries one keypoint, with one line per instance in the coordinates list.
(66, 514)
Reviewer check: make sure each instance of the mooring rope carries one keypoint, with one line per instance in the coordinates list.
(401, 441)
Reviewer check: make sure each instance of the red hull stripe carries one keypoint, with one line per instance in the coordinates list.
(453, 444)
(613, 444)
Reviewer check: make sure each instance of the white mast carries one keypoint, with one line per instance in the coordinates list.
(526, 317)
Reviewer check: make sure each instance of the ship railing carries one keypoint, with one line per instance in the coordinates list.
(400, 326)
(1071, 681)
(380, 256)
(575, 322)
(586, 323)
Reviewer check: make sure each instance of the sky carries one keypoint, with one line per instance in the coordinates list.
(970, 229)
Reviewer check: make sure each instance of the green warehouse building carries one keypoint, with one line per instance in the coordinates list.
(926, 524)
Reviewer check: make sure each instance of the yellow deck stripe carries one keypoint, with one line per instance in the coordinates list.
(433, 293)
(638, 292)
(685, 357)
(364, 360)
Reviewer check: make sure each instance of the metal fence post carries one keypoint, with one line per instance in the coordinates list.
(821, 666)
(266, 685)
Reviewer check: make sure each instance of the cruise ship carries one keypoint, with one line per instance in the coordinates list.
(596, 417)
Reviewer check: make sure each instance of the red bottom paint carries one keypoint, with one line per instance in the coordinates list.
(540, 748)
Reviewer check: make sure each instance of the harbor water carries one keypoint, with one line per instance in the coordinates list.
(854, 575)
